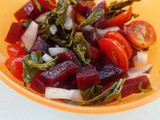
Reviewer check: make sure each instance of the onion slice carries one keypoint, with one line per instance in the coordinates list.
(29, 37)
(56, 51)
(47, 58)
(102, 32)
(59, 93)
(53, 29)
(42, 17)
(140, 59)
(132, 72)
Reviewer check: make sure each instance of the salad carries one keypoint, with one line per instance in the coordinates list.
(80, 52)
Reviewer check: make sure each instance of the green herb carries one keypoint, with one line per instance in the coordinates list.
(96, 15)
(43, 28)
(28, 71)
(26, 24)
(44, 66)
(58, 40)
(51, 3)
(148, 89)
(62, 10)
(81, 48)
(106, 97)
(120, 5)
(91, 92)
(38, 5)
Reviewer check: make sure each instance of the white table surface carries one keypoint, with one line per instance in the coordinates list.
(14, 106)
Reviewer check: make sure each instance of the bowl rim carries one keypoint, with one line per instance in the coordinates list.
(77, 109)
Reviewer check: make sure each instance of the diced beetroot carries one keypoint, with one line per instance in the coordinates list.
(87, 77)
(62, 73)
(46, 4)
(95, 55)
(83, 8)
(102, 5)
(93, 37)
(41, 45)
(15, 33)
(69, 56)
(38, 84)
(101, 23)
(29, 10)
(131, 85)
(108, 71)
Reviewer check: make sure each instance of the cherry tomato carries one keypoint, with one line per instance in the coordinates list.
(115, 52)
(120, 19)
(15, 50)
(47, 4)
(141, 34)
(14, 65)
(118, 37)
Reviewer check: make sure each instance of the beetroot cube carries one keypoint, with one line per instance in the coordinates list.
(95, 55)
(101, 23)
(87, 77)
(15, 33)
(38, 84)
(93, 37)
(108, 71)
(69, 56)
(62, 73)
(40, 44)
(131, 86)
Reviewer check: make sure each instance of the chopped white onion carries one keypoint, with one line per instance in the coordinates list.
(42, 17)
(53, 29)
(132, 72)
(69, 11)
(56, 51)
(56, 46)
(140, 59)
(47, 58)
(88, 28)
(99, 1)
(102, 32)
(68, 24)
(58, 93)
(29, 37)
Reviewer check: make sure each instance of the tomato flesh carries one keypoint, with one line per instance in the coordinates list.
(15, 50)
(120, 19)
(14, 65)
(141, 34)
(118, 37)
(115, 52)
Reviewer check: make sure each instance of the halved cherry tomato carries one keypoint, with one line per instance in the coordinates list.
(15, 50)
(47, 4)
(141, 34)
(120, 19)
(118, 37)
(14, 65)
(115, 52)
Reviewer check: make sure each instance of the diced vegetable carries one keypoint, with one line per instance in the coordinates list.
(53, 29)
(46, 57)
(101, 23)
(62, 73)
(56, 51)
(88, 28)
(79, 18)
(140, 59)
(42, 17)
(58, 93)
(104, 31)
(40, 44)
(49, 4)
(101, 4)
(15, 33)
(68, 24)
(68, 56)
(95, 55)
(15, 50)
(14, 65)
(29, 37)
(108, 71)
(132, 72)
(93, 37)
(87, 77)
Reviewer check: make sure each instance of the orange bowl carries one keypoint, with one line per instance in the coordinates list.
(149, 10)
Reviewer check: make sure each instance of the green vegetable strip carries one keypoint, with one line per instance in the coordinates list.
(148, 89)
(44, 66)
(96, 15)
